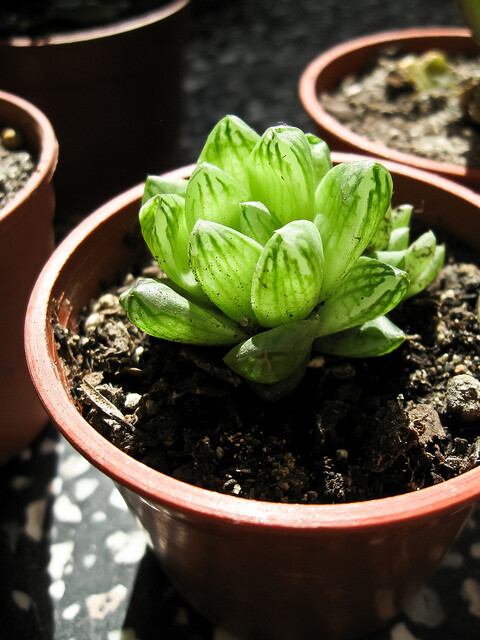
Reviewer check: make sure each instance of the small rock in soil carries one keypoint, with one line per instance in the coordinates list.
(463, 397)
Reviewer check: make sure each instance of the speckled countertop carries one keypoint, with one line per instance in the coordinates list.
(73, 560)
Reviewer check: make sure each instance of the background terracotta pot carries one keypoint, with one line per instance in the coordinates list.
(262, 570)
(108, 92)
(326, 72)
(26, 241)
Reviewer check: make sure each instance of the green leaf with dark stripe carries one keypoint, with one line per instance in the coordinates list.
(228, 147)
(374, 338)
(162, 219)
(257, 222)
(213, 195)
(273, 355)
(282, 174)
(381, 236)
(350, 202)
(159, 311)
(429, 273)
(289, 275)
(155, 185)
(401, 216)
(322, 161)
(370, 289)
(419, 255)
(223, 261)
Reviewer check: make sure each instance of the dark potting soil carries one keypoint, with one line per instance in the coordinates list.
(381, 107)
(353, 430)
(16, 164)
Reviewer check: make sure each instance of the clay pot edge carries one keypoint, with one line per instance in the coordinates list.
(93, 33)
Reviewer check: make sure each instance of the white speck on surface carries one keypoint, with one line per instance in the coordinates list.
(22, 600)
(25, 455)
(452, 560)
(35, 516)
(20, 482)
(57, 589)
(127, 548)
(475, 551)
(56, 486)
(85, 487)
(61, 556)
(71, 612)
(117, 501)
(100, 605)
(89, 560)
(74, 466)
(471, 593)
(65, 511)
(48, 446)
(400, 632)
(60, 446)
(426, 609)
(122, 634)
(99, 516)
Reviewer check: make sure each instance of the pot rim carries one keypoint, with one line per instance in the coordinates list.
(163, 492)
(44, 144)
(95, 33)
(309, 80)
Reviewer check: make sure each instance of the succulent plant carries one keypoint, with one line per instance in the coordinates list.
(270, 250)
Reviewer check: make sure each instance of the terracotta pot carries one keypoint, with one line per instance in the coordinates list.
(108, 92)
(262, 570)
(26, 241)
(329, 69)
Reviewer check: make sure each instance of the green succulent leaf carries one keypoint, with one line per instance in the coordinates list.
(419, 255)
(429, 273)
(228, 147)
(273, 355)
(381, 236)
(289, 275)
(160, 311)
(370, 289)
(399, 239)
(393, 258)
(322, 161)
(223, 261)
(155, 185)
(351, 200)
(282, 175)
(257, 222)
(401, 216)
(213, 195)
(162, 220)
(374, 338)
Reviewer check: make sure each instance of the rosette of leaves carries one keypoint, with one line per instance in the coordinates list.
(270, 251)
